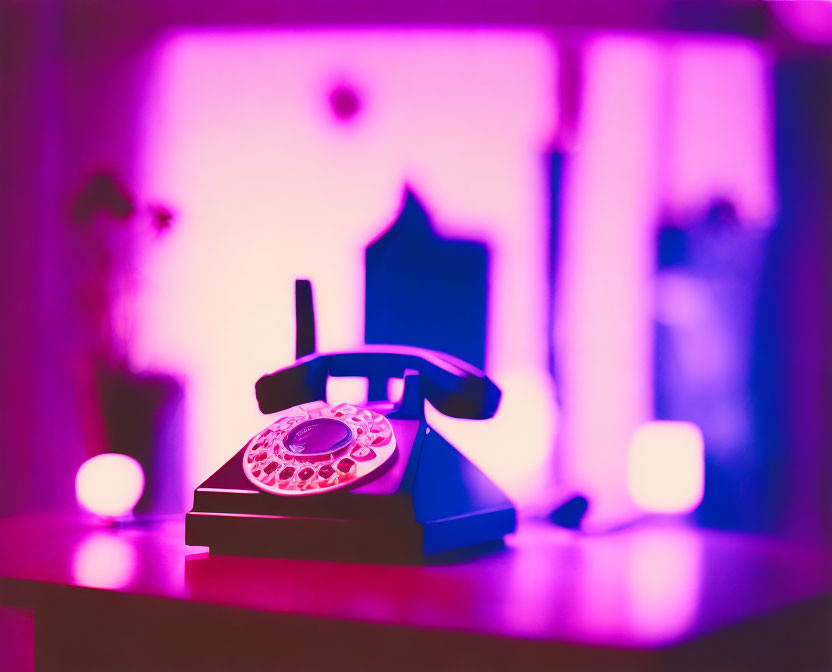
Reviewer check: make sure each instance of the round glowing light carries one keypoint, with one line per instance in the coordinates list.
(109, 485)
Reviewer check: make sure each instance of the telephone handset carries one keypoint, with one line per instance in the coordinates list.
(369, 481)
(313, 447)
(454, 387)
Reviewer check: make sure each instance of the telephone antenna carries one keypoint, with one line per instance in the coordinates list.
(304, 319)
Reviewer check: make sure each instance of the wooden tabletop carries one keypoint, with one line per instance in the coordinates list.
(655, 584)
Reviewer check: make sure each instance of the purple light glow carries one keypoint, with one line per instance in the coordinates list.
(247, 150)
(808, 21)
(604, 328)
(665, 125)
(641, 584)
(718, 129)
(665, 582)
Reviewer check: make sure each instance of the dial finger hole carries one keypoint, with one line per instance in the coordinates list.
(346, 468)
(363, 454)
(343, 410)
(325, 474)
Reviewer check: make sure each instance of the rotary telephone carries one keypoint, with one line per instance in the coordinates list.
(367, 481)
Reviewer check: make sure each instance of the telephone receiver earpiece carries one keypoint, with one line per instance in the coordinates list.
(454, 387)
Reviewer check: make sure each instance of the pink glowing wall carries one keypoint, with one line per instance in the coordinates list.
(270, 186)
(240, 136)
(603, 327)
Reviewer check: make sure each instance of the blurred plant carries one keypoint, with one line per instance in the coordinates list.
(107, 226)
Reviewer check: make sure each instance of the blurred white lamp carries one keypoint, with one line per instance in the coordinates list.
(109, 485)
(666, 467)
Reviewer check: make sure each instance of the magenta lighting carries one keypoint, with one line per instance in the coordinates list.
(666, 467)
(104, 560)
(667, 123)
(309, 173)
(109, 485)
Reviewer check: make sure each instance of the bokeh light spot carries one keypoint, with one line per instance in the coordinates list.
(109, 485)
(666, 470)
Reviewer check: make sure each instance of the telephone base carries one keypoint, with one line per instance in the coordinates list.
(439, 502)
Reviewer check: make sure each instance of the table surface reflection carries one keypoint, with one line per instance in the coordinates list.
(655, 583)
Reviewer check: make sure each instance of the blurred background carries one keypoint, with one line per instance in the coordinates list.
(621, 212)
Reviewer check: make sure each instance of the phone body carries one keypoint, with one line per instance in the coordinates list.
(426, 499)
